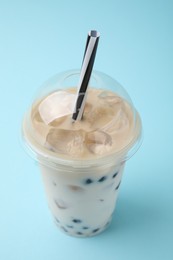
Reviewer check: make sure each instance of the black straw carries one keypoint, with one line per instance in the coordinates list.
(86, 70)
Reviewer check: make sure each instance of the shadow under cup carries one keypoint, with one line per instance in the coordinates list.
(81, 194)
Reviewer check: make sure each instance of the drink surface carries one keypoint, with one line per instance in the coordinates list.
(107, 125)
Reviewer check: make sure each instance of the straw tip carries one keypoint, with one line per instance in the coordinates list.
(94, 33)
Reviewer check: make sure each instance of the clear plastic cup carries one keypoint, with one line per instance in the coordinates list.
(81, 187)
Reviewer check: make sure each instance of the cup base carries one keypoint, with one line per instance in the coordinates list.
(85, 232)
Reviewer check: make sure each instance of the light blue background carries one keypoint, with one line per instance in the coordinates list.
(41, 38)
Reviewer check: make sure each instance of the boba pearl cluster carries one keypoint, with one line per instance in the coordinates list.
(84, 208)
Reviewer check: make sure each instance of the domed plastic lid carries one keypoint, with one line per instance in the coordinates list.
(110, 124)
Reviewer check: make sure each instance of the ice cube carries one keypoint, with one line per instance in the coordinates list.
(119, 124)
(56, 105)
(99, 115)
(69, 142)
(98, 142)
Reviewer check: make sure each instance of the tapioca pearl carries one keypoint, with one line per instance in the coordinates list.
(58, 224)
(77, 221)
(88, 181)
(95, 230)
(85, 227)
(70, 226)
(57, 220)
(117, 187)
(115, 174)
(102, 179)
(107, 223)
(64, 229)
(79, 233)
(75, 188)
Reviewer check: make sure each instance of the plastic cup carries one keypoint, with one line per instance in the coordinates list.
(81, 192)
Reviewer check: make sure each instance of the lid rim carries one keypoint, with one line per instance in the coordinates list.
(44, 156)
